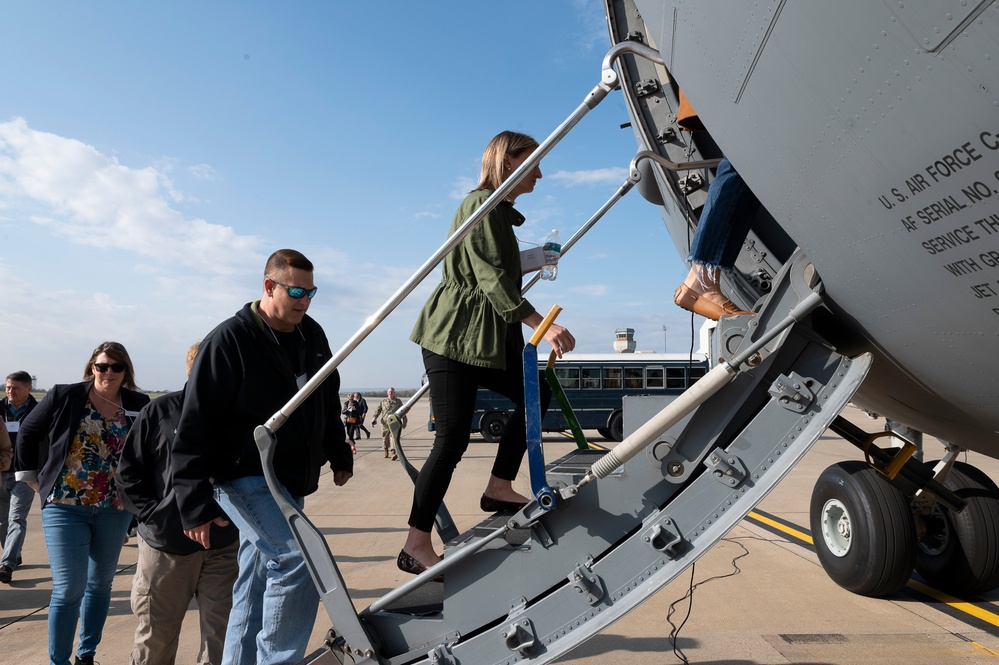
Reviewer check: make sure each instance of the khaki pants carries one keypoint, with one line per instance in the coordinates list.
(387, 439)
(161, 593)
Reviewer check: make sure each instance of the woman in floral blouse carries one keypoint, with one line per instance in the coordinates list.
(83, 426)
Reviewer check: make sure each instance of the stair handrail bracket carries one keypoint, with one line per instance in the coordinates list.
(610, 80)
(717, 378)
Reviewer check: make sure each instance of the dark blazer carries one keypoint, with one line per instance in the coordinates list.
(46, 434)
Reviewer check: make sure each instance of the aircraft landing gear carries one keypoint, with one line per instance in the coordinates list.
(939, 519)
(958, 552)
(863, 529)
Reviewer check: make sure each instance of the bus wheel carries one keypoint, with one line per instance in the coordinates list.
(959, 552)
(492, 425)
(616, 426)
(863, 529)
(604, 432)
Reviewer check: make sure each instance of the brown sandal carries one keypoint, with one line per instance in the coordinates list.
(407, 564)
(694, 302)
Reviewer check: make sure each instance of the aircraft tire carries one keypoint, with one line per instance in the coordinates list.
(959, 552)
(616, 426)
(492, 425)
(863, 529)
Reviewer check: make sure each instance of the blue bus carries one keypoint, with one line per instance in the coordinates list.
(594, 384)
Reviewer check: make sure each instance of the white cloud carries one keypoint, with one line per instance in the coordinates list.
(89, 198)
(461, 187)
(612, 176)
(203, 172)
(590, 290)
(591, 15)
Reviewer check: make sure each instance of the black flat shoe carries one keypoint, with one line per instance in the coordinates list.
(408, 564)
(490, 505)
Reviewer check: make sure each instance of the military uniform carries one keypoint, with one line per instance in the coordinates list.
(386, 407)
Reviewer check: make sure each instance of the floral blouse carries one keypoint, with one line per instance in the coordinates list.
(87, 478)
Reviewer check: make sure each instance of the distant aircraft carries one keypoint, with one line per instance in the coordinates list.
(869, 131)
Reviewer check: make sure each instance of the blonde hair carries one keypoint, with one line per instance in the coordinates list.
(504, 144)
(191, 352)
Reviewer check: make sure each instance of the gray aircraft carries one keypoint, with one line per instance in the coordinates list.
(869, 132)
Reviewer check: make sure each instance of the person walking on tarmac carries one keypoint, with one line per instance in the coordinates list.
(362, 413)
(387, 406)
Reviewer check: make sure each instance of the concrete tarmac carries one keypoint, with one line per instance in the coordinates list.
(760, 595)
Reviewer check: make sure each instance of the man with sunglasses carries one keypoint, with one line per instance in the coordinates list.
(249, 367)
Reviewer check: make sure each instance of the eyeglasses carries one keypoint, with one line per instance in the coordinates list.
(101, 368)
(297, 292)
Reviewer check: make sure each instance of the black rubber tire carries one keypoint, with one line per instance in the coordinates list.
(604, 432)
(878, 554)
(492, 425)
(959, 552)
(615, 426)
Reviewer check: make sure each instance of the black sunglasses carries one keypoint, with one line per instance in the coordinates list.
(297, 292)
(117, 368)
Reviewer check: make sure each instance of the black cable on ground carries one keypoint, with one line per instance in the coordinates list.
(675, 632)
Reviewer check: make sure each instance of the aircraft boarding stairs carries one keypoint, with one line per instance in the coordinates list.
(611, 528)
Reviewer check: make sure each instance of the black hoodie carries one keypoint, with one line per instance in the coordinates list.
(240, 378)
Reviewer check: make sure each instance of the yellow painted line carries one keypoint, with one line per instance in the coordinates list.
(800, 535)
(593, 446)
(981, 647)
(956, 603)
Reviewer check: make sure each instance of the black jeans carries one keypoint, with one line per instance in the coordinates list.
(453, 389)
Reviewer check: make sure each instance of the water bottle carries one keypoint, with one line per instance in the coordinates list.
(552, 249)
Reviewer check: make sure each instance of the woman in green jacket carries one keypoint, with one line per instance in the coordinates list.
(470, 337)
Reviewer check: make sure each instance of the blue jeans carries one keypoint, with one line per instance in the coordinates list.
(83, 545)
(274, 601)
(725, 220)
(15, 503)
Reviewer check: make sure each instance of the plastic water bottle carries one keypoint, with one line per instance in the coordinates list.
(553, 250)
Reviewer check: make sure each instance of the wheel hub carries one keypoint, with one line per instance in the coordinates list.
(837, 530)
(933, 532)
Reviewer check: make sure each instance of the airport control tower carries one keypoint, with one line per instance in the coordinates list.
(624, 340)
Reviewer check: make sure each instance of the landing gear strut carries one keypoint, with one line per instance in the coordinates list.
(958, 552)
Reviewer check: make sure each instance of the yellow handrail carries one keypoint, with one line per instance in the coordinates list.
(546, 323)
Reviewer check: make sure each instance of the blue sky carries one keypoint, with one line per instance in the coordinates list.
(152, 155)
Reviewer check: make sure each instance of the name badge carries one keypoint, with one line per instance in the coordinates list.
(12, 426)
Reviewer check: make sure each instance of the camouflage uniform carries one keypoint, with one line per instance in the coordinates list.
(386, 407)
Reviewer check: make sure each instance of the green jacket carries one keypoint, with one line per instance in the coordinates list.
(467, 316)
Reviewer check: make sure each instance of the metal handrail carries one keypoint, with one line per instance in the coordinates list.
(609, 81)
(319, 559)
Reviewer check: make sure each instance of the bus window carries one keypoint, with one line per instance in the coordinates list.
(596, 387)
(634, 377)
(676, 377)
(568, 377)
(612, 378)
